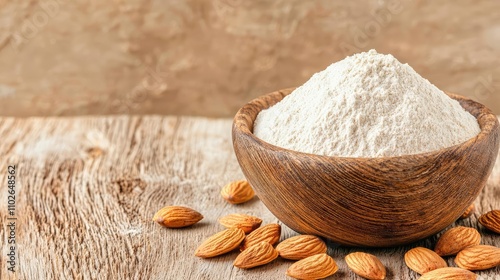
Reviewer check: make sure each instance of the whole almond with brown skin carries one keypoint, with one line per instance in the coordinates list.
(270, 233)
(237, 192)
(255, 255)
(479, 257)
(449, 273)
(246, 222)
(491, 220)
(468, 212)
(456, 239)
(423, 260)
(177, 216)
(314, 267)
(300, 247)
(366, 265)
(220, 243)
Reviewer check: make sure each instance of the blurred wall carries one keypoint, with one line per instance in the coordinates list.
(200, 57)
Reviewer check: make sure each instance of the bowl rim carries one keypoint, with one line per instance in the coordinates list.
(486, 119)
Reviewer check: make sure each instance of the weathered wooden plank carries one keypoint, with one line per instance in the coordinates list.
(87, 188)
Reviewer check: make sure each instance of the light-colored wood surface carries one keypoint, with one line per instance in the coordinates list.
(88, 187)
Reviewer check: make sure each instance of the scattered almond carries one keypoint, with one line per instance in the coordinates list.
(177, 216)
(423, 260)
(269, 233)
(456, 239)
(300, 247)
(255, 255)
(220, 243)
(468, 212)
(449, 273)
(491, 220)
(237, 192)
(246, 222)
(314, 267)
(366, 265)
(479, 257)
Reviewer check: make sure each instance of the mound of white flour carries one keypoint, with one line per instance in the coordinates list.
(367, 105)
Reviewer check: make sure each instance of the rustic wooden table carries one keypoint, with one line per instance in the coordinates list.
(87, 187)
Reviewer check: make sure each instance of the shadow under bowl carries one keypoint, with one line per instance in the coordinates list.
(375, 202)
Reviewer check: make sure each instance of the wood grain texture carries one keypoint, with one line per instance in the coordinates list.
(375, 202)
(88, 188)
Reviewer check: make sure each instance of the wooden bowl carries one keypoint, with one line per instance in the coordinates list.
(376, 202)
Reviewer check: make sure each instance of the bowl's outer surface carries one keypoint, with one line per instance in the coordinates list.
(374, 202)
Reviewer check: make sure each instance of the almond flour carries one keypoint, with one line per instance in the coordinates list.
(367, 105)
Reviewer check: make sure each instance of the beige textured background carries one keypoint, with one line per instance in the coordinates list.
(202, 57)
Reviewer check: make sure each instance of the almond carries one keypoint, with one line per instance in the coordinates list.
(314, 267)
(423, 260)
(177, 216)
(479, 257)
(246, 222)
(449, 273)
(468, 212)
(456, 239)
(366, 265)
(269, 233)
(491, 220)
(220, 243)
(237, 192)
(255, 255)
(300, 247)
